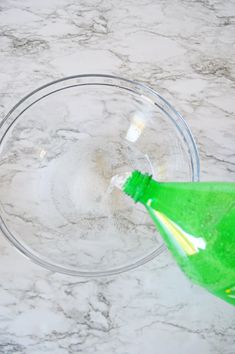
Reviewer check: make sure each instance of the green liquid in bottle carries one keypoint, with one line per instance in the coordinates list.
(197, 222)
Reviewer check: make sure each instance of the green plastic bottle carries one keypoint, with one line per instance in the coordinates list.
(197, 222)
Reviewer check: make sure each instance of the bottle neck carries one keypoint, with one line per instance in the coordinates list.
(137, 186)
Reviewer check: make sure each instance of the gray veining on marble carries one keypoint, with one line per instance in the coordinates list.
(186, 51)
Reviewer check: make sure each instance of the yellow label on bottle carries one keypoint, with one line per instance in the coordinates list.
(188, 243)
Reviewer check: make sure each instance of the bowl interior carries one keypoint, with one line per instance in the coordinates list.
(60, 148)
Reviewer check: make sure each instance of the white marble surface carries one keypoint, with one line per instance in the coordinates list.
(185, 50)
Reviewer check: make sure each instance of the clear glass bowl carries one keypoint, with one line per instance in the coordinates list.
(59, 148)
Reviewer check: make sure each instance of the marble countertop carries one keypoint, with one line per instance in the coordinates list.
(186, 51)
